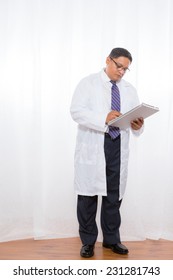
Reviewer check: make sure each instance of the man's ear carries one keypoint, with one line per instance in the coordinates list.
(108, 60)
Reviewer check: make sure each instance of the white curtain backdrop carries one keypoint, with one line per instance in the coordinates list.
(46, 47)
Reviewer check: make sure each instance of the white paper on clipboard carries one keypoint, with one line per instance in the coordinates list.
(143, 110)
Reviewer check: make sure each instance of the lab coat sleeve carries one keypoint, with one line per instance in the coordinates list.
(85, 112)
(138, 132)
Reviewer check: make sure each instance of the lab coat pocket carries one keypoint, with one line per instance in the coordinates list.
(87, 154)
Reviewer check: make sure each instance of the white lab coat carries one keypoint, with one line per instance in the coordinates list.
(90, 105)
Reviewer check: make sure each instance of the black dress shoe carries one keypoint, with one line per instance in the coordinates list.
(117, 248)
(87, 251)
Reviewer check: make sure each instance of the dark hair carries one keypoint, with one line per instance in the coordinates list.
(117, 52)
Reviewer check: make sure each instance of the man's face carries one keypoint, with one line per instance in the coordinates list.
(116, 67)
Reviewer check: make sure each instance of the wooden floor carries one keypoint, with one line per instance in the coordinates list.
(68, 249)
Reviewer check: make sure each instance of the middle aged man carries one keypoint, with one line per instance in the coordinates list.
(101, 156)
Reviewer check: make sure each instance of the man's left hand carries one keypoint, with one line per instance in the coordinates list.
(137, 123)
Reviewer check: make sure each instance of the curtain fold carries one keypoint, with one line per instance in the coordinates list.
(46, 47)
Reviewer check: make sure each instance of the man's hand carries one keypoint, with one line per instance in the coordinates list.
(112, 115)
(137, 123)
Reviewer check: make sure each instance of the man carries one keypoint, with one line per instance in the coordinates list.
(101, 155)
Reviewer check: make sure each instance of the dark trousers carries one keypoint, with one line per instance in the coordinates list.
(110, 214)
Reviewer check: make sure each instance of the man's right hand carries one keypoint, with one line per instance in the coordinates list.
(112, 115)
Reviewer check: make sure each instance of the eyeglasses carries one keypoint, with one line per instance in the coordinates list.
(119, 66)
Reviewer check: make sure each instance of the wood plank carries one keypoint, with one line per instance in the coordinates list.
(69, 248)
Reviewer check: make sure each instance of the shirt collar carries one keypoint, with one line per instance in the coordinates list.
(106, 80)
(105, 77)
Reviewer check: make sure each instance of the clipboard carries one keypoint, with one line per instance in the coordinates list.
(141, 111)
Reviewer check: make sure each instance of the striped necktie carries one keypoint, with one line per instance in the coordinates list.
(115, 105)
